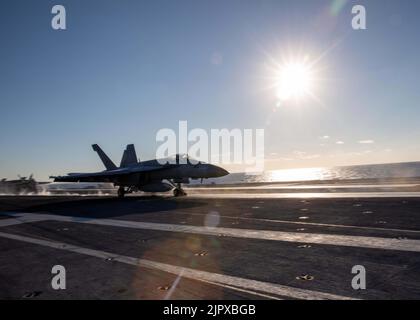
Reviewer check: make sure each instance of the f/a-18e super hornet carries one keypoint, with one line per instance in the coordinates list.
(148, 176)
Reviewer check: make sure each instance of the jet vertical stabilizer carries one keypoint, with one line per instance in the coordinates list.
(109, 165)
(129, 157)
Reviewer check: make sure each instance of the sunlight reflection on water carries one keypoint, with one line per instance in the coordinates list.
(306, 174)
(379, 171)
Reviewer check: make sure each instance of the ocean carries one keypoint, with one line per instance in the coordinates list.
(373, 171)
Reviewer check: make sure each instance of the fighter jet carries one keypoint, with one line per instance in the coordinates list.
(133, 175)
(21, 186)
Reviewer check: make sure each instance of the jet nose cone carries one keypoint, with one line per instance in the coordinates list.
(220, 172)
(224, 172)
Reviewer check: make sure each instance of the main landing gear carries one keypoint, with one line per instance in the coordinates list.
(178, 191)
(121, 192)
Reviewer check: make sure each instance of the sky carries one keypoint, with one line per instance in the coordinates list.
(122, 70)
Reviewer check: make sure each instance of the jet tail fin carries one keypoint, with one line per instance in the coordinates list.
(109, 165)
(129, 156)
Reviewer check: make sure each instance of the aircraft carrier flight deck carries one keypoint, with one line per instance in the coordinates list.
(204, 246)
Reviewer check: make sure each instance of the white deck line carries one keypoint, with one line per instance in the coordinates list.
(314, 238)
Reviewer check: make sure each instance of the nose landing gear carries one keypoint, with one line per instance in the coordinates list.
(178, 191)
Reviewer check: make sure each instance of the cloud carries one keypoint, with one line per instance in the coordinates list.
(351, 154)
(299, 154)
(366, 141)
(304, 155)
(311, 156)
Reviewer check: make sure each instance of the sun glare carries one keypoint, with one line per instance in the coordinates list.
(294, 81)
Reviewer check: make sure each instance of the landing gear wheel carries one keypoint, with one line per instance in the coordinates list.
(121, 192)
(179, 192)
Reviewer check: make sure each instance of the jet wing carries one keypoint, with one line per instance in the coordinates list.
(108, 175)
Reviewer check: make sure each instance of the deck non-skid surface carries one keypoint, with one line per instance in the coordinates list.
(209, 248)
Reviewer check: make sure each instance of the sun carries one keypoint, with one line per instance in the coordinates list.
(294, 81)
(296, 77)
